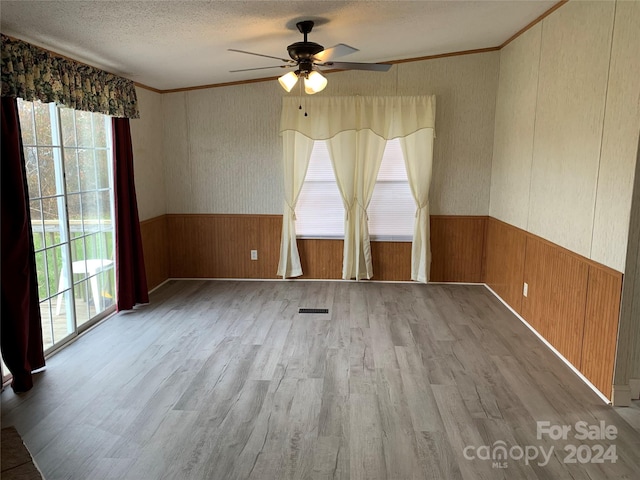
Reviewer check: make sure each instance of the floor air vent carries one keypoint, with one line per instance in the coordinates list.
(313, 310)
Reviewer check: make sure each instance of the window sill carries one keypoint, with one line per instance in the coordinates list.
(373, 238)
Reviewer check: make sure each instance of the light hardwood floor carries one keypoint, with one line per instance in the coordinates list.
(226, 380)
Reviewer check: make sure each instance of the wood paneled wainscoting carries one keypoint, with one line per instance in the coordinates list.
(457, 247)
(218, 246)
(323, 259)
(573, 302)
(155, 245)
(457, 244)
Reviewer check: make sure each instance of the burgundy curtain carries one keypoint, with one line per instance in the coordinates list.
(21, 328)
(131, 279)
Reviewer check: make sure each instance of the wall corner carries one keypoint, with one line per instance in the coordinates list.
(621, 396)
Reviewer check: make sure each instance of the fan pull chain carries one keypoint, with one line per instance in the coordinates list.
(300, 95)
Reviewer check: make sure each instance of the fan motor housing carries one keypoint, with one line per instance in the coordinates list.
(300, 51)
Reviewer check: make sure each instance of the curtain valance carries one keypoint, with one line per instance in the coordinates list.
(32, 73)
(387, 117)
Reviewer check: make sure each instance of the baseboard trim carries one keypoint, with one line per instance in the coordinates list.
(158, 286)
(553, 349)
(339, 280)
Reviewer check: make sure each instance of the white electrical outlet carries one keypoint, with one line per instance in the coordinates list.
(525, 289)
(254, 254)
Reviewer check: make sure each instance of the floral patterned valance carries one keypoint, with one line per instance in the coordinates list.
(32, 73)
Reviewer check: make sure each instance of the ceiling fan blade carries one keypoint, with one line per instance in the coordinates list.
(260, 55)
(339, 50)
(262, 68)
(374, 67)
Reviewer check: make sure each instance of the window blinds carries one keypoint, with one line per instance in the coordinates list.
(320, 211)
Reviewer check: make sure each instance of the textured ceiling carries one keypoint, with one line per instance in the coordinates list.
(175, 44)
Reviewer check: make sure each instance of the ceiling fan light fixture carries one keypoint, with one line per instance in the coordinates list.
(314, 82)
(288, 80)
(307, 57)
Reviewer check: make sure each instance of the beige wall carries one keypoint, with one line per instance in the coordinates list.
(515, 119)
(146, 137)
(223, 151)
(567, 124)
(619, 139)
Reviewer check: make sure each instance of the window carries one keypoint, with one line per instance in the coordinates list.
(320, 211)
(69, 175)
(392, 208)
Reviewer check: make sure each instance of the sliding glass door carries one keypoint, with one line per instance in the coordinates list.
(70, 183)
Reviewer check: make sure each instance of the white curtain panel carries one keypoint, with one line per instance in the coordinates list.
(343, 152)
(356, 130)
(296, 154)
(369, 158)
(356, 156)
(417, 150)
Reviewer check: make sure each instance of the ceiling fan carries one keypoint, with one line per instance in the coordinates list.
(307, 57)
